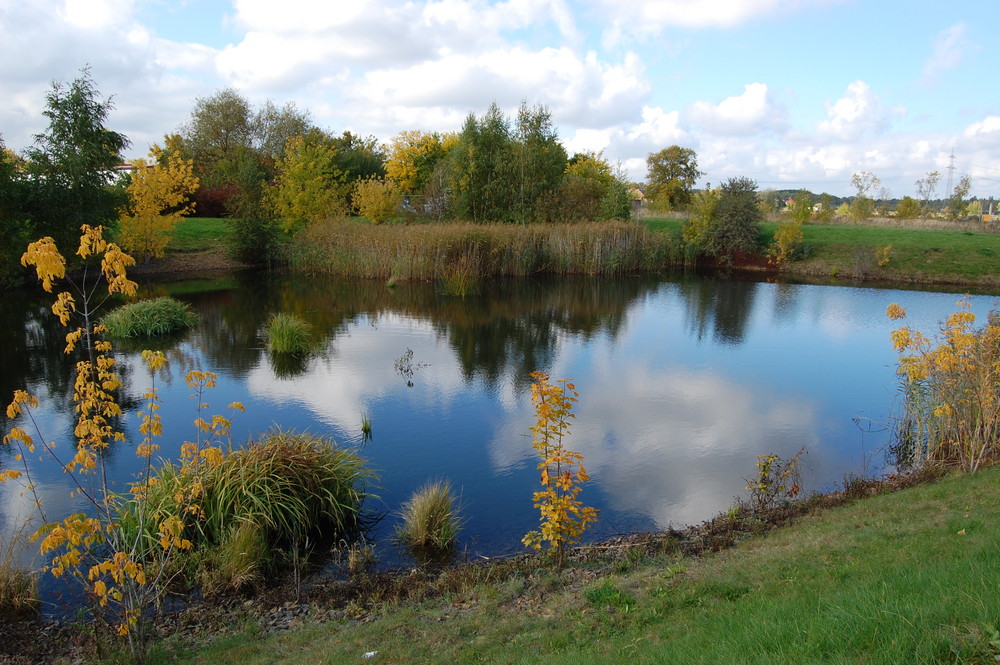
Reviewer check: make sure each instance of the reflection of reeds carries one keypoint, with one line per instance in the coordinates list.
(432, 251)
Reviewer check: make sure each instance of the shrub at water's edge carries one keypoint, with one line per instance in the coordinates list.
(430, 517)
(149, 318)
(288, 333)
(435, 251)
(273, 494)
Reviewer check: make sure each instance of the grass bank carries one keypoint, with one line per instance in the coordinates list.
(906, 577)
(961, 254)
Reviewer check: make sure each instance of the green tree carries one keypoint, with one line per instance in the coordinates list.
(482, 169)
(616, 202)
(309, 185)
(218, 135)
(863, 205)
(801, 210)
(672, 173)
(908, 208)
(926, 187)
(957, 203)
(735, 225)
(14, 223)
(71, 165)
(540, 159)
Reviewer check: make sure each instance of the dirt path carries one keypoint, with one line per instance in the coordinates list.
(183, 263)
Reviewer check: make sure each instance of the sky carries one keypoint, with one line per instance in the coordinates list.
(792, 93)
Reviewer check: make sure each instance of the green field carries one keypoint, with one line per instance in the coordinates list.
(907, 577)
(195, 234)
(927, 256)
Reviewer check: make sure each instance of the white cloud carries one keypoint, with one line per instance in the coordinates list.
(859, 111)
(746, 114)
(647, 18)
(950, 48)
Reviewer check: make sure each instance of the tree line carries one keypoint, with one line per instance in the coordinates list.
(270, 170)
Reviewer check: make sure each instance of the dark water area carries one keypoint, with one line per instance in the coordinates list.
(683, 381)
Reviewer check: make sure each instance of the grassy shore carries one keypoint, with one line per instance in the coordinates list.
(923, 252)
(905, 577)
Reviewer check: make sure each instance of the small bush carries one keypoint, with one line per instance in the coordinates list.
(149, 318)
(287, 333)
(430, 518)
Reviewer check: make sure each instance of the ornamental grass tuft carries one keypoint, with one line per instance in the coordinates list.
(153, 317)
(430, 518)
(270, 495)
(288, 333)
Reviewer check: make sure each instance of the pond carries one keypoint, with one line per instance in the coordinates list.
(683, 382)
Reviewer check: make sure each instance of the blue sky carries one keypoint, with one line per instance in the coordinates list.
(793, 93)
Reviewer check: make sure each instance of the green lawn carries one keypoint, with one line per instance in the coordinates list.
(195, 234)
(918, 255)
(908, 577)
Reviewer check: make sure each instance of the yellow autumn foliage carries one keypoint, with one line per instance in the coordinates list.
(159, 197)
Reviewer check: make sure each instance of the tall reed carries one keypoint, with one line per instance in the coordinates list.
(440, 251)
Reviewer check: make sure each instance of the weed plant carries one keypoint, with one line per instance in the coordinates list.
(462, 253)
(951, 391)
(288, 333)
(153, 317)
(430, 518)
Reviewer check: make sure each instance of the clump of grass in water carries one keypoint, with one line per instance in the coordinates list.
(149, 318)
(366, 427)
(461, 279)
(258, 499)
(430, 518)
(288, 333)
(18, 587)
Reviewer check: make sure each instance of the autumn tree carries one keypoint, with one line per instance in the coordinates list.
(159, 197)
(413, 155)
(908, 208)
(672, 173)
(309, 184)
(378, 200)
(70, 167)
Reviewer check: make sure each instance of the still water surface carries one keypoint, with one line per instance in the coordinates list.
(682, 382)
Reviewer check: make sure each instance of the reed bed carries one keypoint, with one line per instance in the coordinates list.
(152, 317)
(475, 251)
